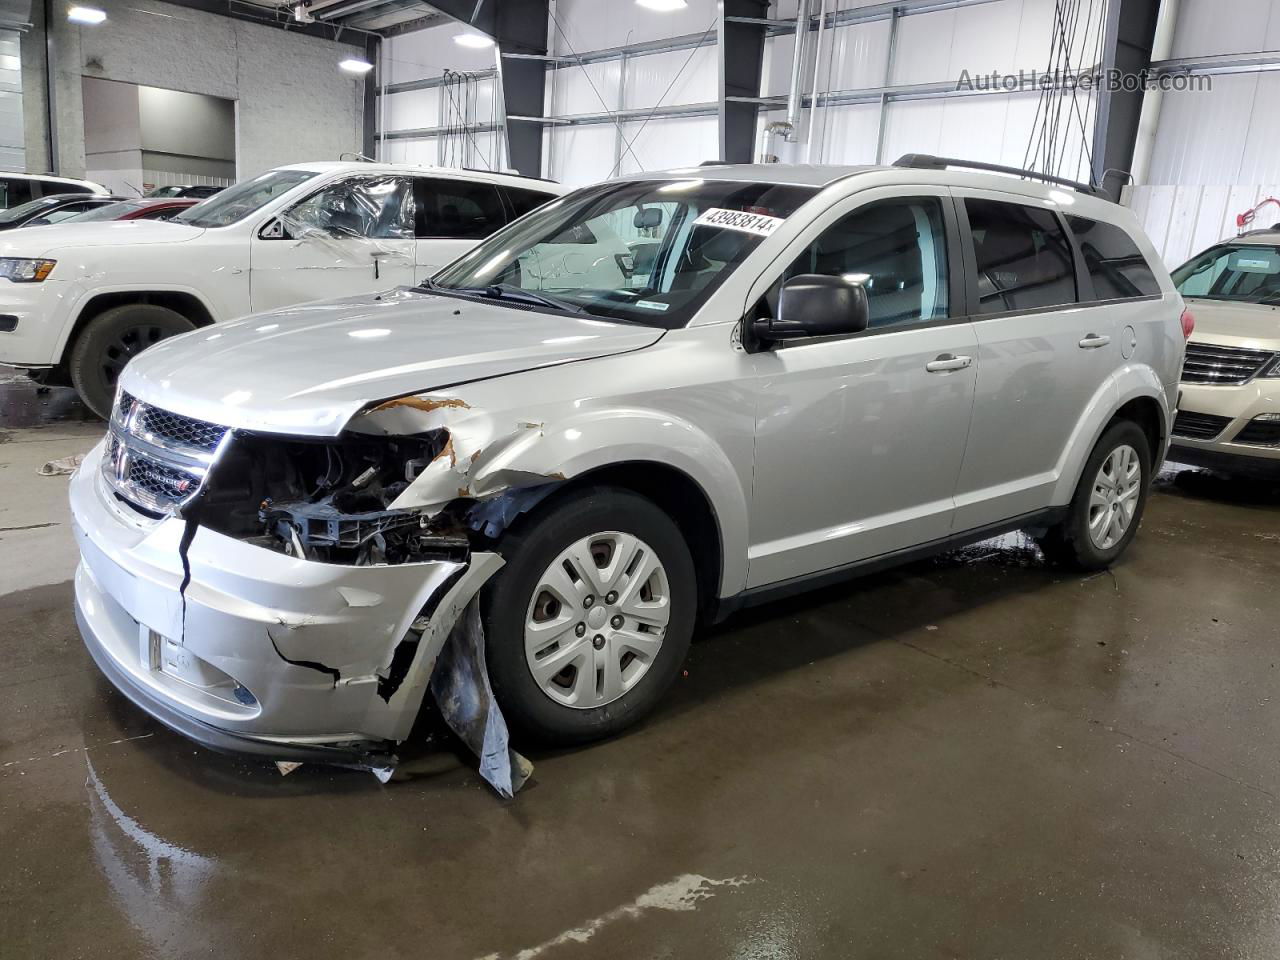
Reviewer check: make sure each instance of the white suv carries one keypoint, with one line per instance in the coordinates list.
(77, 301)
(819, 371)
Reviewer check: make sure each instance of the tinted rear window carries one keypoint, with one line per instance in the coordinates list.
(522, 201)
(460, 210)
(1115, 264)
(1024, 260)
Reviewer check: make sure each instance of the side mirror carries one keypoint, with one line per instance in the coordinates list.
(815, 305)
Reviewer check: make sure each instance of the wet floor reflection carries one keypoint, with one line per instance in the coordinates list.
(158, 885)
(24, 403)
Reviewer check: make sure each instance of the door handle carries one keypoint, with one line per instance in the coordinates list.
(1093, 341)
(948, 362)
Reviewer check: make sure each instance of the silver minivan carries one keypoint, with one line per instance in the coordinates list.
(299, 518)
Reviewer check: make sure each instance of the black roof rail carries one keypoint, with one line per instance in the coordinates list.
(924, 161)
(509, 173)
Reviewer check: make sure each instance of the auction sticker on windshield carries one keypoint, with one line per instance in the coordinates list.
(756, 223)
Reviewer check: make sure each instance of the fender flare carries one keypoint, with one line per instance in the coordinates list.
(83, 299)
(1131, 382)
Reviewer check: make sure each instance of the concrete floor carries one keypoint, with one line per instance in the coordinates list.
(973, 757)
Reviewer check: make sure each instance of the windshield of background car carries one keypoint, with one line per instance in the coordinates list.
(108, 211)
(647, 252)
(235, 203)
(1243, 273)
(24, 210)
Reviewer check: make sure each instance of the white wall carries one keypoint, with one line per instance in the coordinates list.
(1216, 152)
(1003, 35)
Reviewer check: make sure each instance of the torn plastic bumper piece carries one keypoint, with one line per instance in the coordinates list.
(262, 652)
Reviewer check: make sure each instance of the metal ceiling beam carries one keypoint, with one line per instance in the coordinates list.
(1126, 45)
(257, 13)
(740, 39)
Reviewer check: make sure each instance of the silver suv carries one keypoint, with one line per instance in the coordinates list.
(564, 455)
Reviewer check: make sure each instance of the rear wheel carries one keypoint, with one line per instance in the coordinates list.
(590, 620)
(1107, 508)
(110, 341)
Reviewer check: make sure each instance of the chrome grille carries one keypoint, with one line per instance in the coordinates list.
(1214, 363)
(171, 429)
(158, 460)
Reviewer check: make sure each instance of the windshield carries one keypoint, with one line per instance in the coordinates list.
(647, 252)
(1242, 272)
(24, 210)
(235, 203)
(108, 211)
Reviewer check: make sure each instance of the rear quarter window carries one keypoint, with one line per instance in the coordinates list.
(522, 201)
(1116, 266)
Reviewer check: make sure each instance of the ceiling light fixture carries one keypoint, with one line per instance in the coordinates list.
(476, 41)
(90, 15)
(355, 65)
(662, 6)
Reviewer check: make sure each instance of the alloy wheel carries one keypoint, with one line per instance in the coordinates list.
(1114, 498)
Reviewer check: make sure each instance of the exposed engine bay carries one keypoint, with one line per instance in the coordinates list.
(330, 500)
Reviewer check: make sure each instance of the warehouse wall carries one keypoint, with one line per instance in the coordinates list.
(1216, 152)
(937, 47)
(426, 55)
(292, 102)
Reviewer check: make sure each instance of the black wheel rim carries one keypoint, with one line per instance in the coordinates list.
(130, 342)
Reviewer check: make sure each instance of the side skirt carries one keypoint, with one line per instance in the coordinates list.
(823, 578)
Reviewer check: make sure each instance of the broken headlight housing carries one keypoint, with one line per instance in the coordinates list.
(25, 270)
(327, 500)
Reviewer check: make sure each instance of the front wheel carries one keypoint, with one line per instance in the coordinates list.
(588, 623)
(1107, 507)
(110, 341)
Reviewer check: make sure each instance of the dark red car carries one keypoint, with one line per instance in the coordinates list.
(143, 208)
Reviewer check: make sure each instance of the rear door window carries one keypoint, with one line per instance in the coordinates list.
(1024, 261)
(458, 210)
(1115, 264)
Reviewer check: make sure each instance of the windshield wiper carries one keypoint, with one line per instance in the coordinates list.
(506, 291)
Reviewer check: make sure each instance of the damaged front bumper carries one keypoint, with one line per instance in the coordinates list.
(249, 650)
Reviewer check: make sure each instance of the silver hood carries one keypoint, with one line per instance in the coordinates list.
(308, 369)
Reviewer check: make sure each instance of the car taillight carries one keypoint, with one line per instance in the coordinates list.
(1188, 324)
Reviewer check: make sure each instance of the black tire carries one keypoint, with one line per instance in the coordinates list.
(112, 339)
(506, 601)
(1069, 544)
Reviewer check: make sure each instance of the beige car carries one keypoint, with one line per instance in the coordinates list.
(1229, 415)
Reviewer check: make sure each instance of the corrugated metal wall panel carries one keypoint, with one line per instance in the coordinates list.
(691, 76)
(674, 142)
(592, 88)
(1212, 27)
(13, 154)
